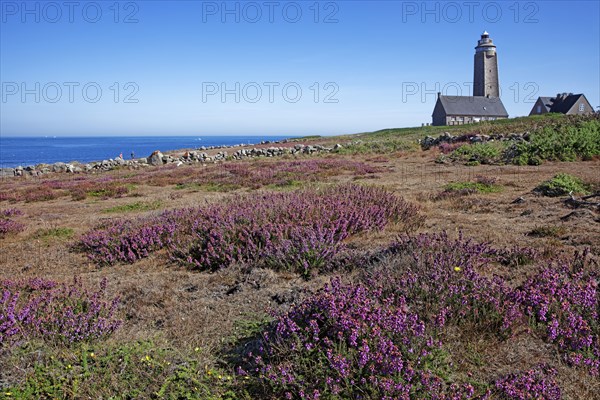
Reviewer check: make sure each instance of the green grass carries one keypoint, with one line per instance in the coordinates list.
(54, 233)
(560, 185)
(477, 187)
(138, 206)
(248, 327)
(124, 371)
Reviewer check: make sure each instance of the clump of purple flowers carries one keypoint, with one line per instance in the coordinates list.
(297, 231)
(565, 300)
(350, 341)
(534, 384)
(8, 225)
(444, 279)
(58, 313)
(11, 212)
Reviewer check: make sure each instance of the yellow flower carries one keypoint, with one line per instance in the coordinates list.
(220, 377)
(197, 349)
(92, 355)
(457, 269)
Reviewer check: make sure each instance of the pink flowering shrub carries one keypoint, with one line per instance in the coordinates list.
(297, 231)
(565, 301)
(8, 225)
(350, 342)
(58, 313)
(534, 384)
(444, 279)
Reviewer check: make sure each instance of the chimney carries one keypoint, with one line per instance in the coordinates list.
(439, 94)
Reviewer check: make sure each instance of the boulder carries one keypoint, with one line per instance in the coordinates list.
(156, 158)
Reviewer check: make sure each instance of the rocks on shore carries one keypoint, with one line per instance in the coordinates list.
(158, 158)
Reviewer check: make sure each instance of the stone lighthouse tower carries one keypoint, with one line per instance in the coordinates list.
(485, 81)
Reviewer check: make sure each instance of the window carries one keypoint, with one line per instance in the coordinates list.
(539, 109)
(581, 107)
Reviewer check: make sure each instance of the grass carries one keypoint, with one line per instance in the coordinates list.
(138, 206)
(455, 190)
(119, 371)
(476, 187)
(54, 233)
(560, 185)
(479, 153)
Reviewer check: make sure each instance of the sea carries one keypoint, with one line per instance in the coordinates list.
(24, 151)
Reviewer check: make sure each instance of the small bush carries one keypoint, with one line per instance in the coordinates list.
(10, 227)
(297, 231)
(350, 342)
(538, 383)
(568, 139)
(55, 313)
(561, 184)
(481, 153)
(458, 189)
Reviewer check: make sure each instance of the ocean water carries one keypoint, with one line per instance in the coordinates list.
(36, 150)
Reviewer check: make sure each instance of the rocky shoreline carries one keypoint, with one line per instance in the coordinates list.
(178, 158)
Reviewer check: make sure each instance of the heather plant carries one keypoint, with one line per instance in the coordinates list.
(352, 342)
(7, 225)
(537, 383)
(129, 240)
(56, 313)
(298, 231)
(444, 278)
(10, 212)
(564, 301)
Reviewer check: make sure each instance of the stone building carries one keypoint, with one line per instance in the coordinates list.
(459, 110)
(485, 104)
(564, 103)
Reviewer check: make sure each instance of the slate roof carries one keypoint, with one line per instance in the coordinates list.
(564, 104)
(473, 106)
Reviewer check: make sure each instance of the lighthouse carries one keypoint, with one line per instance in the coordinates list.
(485, 80)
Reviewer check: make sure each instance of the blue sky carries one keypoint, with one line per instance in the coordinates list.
(276, 67)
